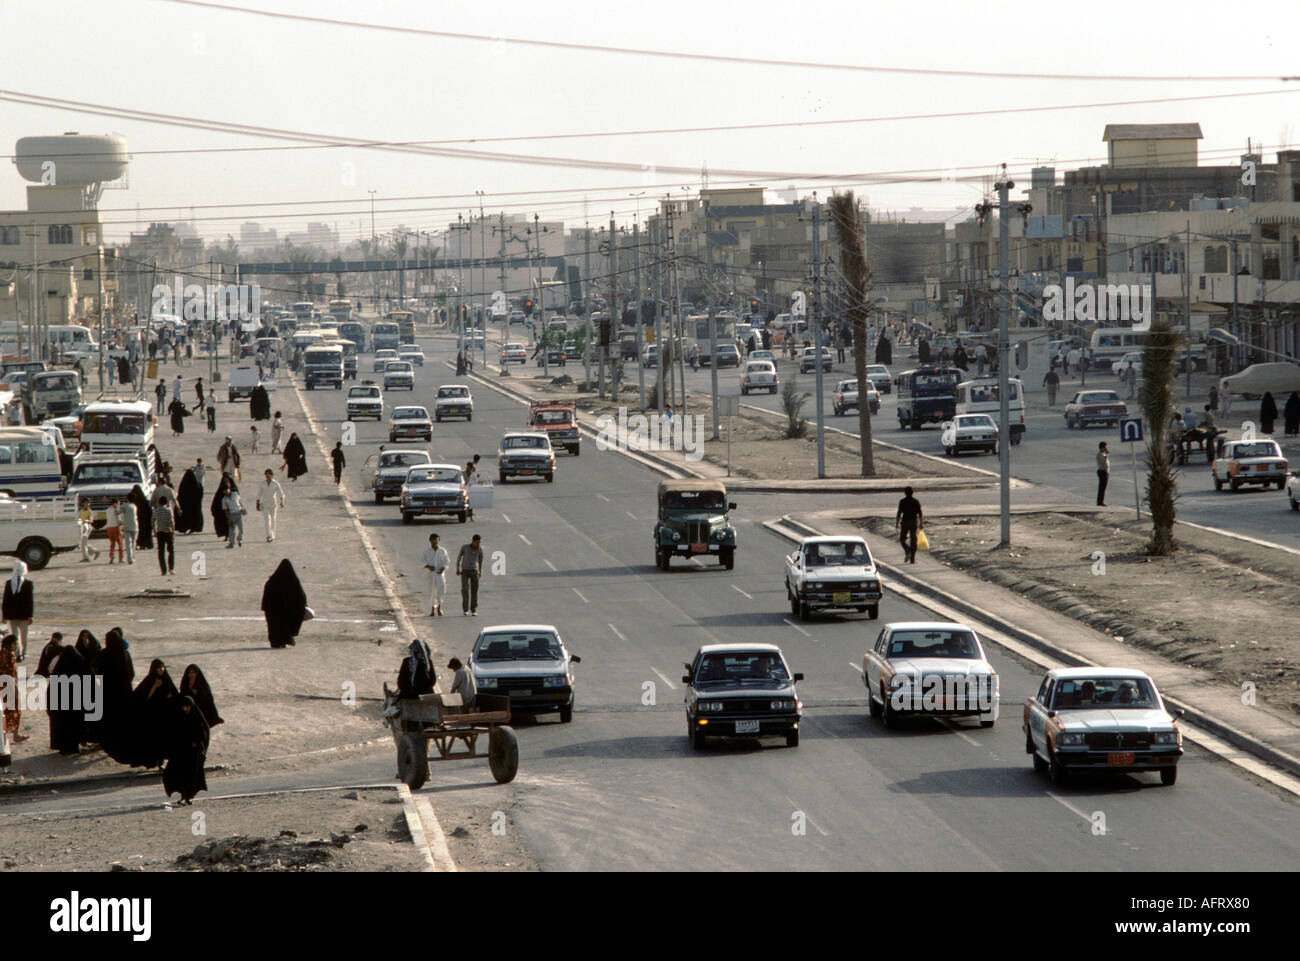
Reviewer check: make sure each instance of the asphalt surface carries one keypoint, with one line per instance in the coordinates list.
(620, 788)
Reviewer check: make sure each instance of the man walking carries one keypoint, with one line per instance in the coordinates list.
(1103, 472)
(114, 530)
(130, 529)
(198, 394)
(211, 410)
(161, 393)
(270, 498)
(908, 521)
(178, 385)
(164, 529)
(228, 458)
(85, 524)
(336, 455)
(1130, 377)
(435, 564)
(1052, 381)
(277, 430)
(469, 563)
(234, 518)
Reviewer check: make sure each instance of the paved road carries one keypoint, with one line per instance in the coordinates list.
(1060, 459)
(619, 788)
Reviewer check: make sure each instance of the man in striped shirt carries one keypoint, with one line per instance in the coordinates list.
(164, 529)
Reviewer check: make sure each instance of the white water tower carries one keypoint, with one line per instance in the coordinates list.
(73, 160)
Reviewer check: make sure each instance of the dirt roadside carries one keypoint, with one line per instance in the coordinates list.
(1225, 606)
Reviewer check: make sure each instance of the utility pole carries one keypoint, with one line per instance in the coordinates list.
(1004, 357)
(99, 274)
(1236, 324)
(659, 296)
(1187, 283)
(374, 275)
(713, 333)
(666, 343)
(503, 267)
(638, 319)
(586, 304)
(535, 283)
(482, 253)
(817, 338)
(608, 322)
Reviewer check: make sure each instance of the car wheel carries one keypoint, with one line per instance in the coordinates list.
(1236, 484)
(379, 498)
(406, 517)
(697, 738)
(873, 611)
(805, 612)
(792, 738)
(349, 417)
(1281, 484)
(1168, 776)
(665, 559)
(1218, 484)
(1060, 774)
(872, 707)
(468, 418)
(794, 606)
(727, 559)
(550, 478)
(986, 722)
(888, 716)
(566, 713)
(462, 516)
(392, 438)
(35, 552)
(501, 477)
(1295, 504)
(438, 418)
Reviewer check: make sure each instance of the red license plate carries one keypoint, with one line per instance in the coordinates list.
(699, 548)
(1119, 758)
(525, 472)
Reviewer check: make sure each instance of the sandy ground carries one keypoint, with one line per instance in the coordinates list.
(1222, 605)
(759, 448)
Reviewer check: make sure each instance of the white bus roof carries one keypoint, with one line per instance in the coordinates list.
(107, 406)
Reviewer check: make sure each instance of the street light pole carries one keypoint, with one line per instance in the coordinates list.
(374, 275)
(1004, 356)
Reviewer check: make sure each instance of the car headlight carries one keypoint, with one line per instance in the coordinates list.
(720, 535)
(873, 585)
(677, 536)
(706, 706)
(555, 680)
(1166, 737)
(485, 681)
(782, 704)
(818, 586)
(1070, 739)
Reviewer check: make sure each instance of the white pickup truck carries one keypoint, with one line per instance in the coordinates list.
(827, 573)
(365, 400)
(34, 531)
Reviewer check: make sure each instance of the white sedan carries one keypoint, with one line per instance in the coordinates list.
(759, 375)
(936, 668)
(969, 432)
(1133, 357)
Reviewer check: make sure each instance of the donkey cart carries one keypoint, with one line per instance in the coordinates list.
(441, 720)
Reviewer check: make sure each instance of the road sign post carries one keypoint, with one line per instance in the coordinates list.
(727, 406)
(1130, 429)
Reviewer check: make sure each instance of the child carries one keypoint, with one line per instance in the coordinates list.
(252, 433)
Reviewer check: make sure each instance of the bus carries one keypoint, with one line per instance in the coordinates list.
(405, 321)
(341, 310)
(384, 335)
(302, 310)
(353, 331)
(29, 464)
(927, 395)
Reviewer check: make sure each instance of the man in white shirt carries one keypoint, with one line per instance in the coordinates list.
(270, 498)
(435, 562)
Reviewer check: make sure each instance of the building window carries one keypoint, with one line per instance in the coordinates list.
(10, 235)
(60, 234)
(88, 273)
(1216, 260)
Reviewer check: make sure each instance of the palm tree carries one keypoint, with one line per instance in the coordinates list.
(857, 282)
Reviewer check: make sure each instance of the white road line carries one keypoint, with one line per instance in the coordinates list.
(506, 517)
(617, 632)
(604, 498)
(549, 564)
(808, 818)
(630, 514)
(525, 540)
(738, 590)
(662, 677)
(697, 561)
(856, 667)
(959, 732)
(796, 627)
(579, 593)
(1062, 801)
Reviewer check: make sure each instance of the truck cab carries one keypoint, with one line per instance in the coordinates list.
(51, 393)
(323, 366)
(560, 422)
(693, 520)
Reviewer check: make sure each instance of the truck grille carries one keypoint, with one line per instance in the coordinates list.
(1133, 740)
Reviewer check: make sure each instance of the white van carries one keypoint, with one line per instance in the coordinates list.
(115, 427)
(72, 341)
(1109, 344)
(980, 396)
(29, 463)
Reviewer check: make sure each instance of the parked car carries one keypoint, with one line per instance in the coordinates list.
(832, 573)
(977, 432)
(741, 690)
(808, 360)
(437, 489)
(410, 422)
(1133, 357)
(759, 375)
(529, 664)
(935, 668)
(1249, 462)
(1101, 719)
(1094, 407)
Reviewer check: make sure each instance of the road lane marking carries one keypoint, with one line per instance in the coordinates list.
(959, 732)
(737, 589)
(549, 564)
(807, 817)
(604, 498)
(856, 667)
(506, 517)
(617, 632)
(1060, 800)
(525, 540)
(630, 514)
(662, 677)
(796, 627)
(579, 593)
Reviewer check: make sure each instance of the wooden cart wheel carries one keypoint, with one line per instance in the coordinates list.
(503, 753)
(412, 761)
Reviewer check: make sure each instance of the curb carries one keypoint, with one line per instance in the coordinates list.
(415, 827)
(16, 789)
(1233, 736)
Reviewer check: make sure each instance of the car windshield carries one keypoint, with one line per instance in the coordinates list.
(453, 391)
(108, 474)
(847, 385)
(1259, 449)
(554, 417)
(364, 392)
(877, 369)
(759, 368)
(976, 421)
(516, 443)
(836, 554)
(540, 645)
(385, 354)
(410, 413)
(407, 459)
(939, 643)
(932, 384)
(741, 666)
(1107, 693)
(1105, 397)
(110, 423)
(57, 382)
(695, 501)
(397, 367)
(435, 475)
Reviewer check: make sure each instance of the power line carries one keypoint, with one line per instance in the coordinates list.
(718, 58)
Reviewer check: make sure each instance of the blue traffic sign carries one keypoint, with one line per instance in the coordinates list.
(1130, 429)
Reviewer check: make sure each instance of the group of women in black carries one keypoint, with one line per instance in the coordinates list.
(148, 724)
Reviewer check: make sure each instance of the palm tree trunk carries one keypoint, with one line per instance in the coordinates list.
(857, 279)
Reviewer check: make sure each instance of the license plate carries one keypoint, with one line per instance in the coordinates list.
(746, 727)
(521, 693)
(699, 548)
(1119, 758)
(526, 471)
(841, 597)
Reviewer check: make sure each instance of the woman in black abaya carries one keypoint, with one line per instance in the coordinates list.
(91, 652)
(1267, 412)
(178, 412)
(259, 404)
(1291, 415)
(188, 736)
(189, 498)
(295, 457)
(143, 518)
(117, 724)
(195, 685)
(220, 526)
(67, 723)
(284, 603)
(153, 697)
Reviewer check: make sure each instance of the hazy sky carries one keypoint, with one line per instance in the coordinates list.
(347, 82)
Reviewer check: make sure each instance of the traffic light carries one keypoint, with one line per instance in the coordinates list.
(528, 308)
(753, 306)
(605, 324)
